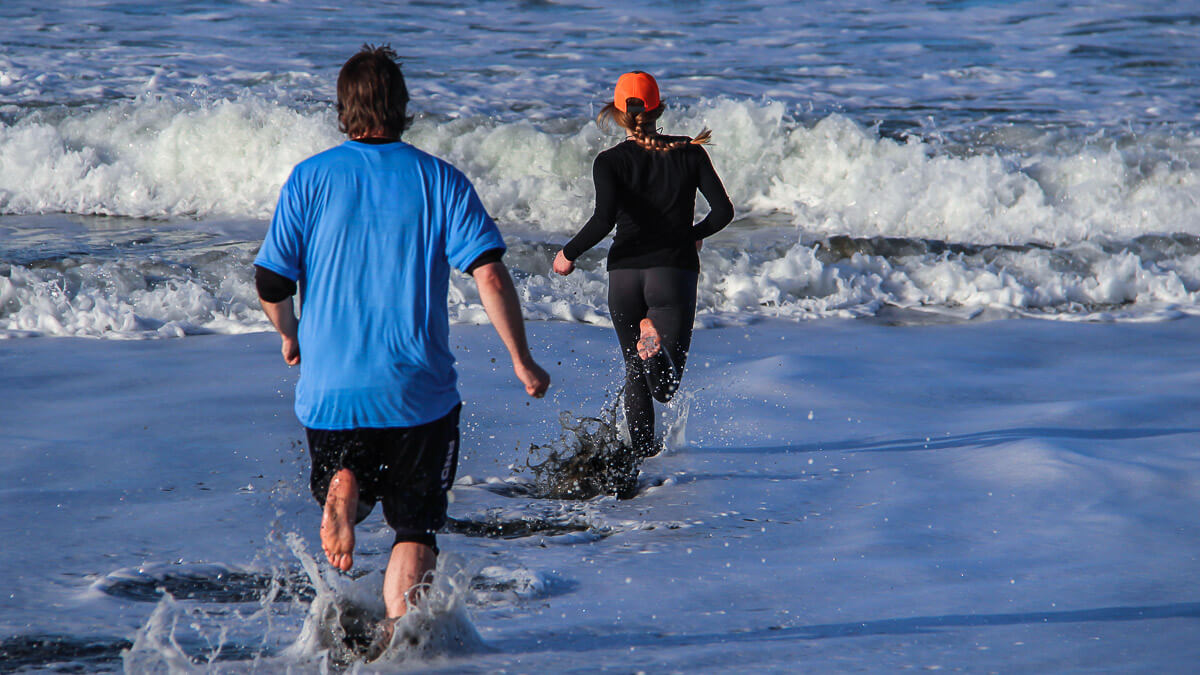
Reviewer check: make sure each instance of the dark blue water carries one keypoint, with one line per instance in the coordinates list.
(949, 64)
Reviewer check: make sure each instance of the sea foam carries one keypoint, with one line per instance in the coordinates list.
(835, 219)
(156, 157)
(161, 156)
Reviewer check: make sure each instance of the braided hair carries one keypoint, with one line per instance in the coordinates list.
(639, 122)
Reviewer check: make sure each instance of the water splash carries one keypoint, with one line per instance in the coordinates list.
(675, 436)
(202, 641)
(590, 458)
(155, 648)
(342, 628)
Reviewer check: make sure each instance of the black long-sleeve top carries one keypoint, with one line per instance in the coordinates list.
(650, 197)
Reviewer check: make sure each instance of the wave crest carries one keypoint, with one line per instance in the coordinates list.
(161, 157)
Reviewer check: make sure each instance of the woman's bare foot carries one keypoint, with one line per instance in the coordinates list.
(337, 521)
(649, 343)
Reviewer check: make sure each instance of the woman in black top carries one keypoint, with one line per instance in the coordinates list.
(646, 188)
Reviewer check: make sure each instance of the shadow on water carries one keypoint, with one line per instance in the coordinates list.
(495, 527)
(203, 583)
(982, 439)
(60, 652)
(68, 654)
(928, 624)
(905, 626)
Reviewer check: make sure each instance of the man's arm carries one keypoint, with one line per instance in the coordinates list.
(504, 309)
(283, 317)
(275, 292)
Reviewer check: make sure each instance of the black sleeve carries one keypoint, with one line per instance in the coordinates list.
(486, 258)
(720, 209)
(273, 287)
(604, 218)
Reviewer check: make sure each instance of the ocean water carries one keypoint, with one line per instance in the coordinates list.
(941, 411)
(958, 159)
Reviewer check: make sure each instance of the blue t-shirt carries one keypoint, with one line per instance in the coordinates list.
(370, 233)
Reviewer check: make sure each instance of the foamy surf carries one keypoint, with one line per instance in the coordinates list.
(835, 219)
(170, 157)
(210, 290)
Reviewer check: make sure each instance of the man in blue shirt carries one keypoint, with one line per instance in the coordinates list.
(367, 232)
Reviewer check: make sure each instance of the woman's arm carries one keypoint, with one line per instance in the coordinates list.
(720, 209)
(603, 219)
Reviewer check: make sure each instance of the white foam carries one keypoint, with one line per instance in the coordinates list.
(1034, 282)
(120, 300)
(157, 157)
(793, 185)
(162, 156)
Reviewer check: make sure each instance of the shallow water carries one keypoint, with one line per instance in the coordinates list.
(845, 494)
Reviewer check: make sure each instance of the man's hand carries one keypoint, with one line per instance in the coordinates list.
(283, 317)
(535, 379)
(699, 245)
(562, 265)
(291, 350)
(500, 301)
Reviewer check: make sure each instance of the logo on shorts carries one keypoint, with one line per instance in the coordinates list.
(449, 465)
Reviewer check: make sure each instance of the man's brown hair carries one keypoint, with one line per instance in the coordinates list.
(371, 93)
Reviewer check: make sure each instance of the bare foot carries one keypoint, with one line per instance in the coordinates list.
(337, 522)
(382, 638)
(649, 343)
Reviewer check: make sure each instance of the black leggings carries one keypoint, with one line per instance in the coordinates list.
(667, 295)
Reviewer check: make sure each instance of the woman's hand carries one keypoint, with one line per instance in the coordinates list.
(562, 265)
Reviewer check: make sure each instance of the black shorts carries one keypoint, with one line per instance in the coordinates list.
(409, 469)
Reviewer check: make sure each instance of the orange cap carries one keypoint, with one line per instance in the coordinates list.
(636, 85)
